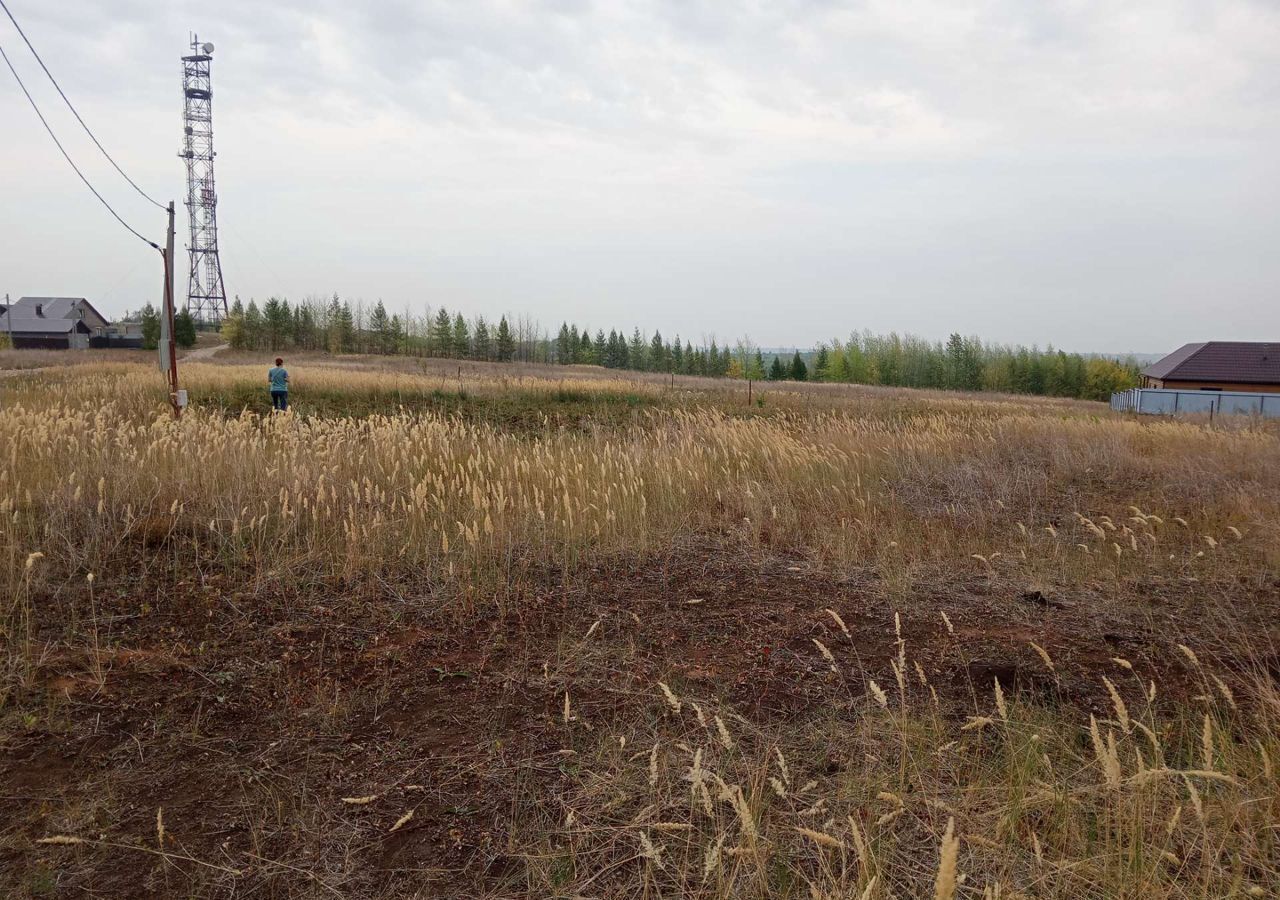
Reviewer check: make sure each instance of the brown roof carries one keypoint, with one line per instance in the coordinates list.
(1246, 362)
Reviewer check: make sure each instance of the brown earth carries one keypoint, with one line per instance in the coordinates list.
(248, 718)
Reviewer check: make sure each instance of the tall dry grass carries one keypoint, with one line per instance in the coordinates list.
(93, 469)
(885, 793)
(895, 798)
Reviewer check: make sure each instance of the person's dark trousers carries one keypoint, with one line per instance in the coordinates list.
(280, 400)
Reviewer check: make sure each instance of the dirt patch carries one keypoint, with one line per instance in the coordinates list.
(253, 724)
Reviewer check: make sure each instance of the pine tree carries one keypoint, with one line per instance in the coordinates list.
(483, 350)
(396, 335)
(638, 351)
(599, 348)
(441, 334)
(776, 371)
(700, 361)
(822, 364)
(575, 342)
(304, 326)
(757, 366)
(333, 326)
(799, 371)
(253, 326)
(612, 356)
(658, 361)
(277, 320)
(380, 324)
(346, 329)
(564, 352)
(506, 345)
(461, 341)
(150, 327)
(184, 329)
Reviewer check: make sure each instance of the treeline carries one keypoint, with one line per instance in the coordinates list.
(574, 346)
(960, 363)
(184, 327)
(966, 364)
(337, 326)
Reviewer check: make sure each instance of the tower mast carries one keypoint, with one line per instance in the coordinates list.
(206, 296)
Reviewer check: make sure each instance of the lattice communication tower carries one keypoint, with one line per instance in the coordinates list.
(206, 296)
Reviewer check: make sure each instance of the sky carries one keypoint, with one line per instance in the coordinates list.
(1096, 176)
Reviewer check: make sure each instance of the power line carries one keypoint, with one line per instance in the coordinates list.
(67, 156)
(66, 100)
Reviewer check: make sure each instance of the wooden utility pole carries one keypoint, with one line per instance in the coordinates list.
(168, 346)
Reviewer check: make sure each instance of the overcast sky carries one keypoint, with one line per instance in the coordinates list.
(1100, 176)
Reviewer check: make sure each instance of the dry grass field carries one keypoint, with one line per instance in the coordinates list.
(546, 632)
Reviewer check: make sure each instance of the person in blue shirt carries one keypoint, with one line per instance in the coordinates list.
(278, 380)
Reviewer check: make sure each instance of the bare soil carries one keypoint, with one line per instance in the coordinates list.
(248, 717)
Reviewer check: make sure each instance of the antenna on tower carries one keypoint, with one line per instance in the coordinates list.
(206, 296)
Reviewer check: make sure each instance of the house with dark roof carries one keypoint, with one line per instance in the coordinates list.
(52, 323)
(1248, 366)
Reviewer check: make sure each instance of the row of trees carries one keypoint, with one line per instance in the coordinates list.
(338, 327)
(960, 363)
(574, 346)
(184, 327)
(967, 364)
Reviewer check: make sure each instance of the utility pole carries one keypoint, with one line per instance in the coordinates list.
(168, 347)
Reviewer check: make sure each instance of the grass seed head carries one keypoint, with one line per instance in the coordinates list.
(839, 622)
(878, 694)
(672, 700)
(945, 883)
(722, 732)
(946, 620)
(821, 838)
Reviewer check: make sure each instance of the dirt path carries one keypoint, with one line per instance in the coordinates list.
(203, 353)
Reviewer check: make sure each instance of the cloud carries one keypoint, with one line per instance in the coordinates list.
(874, 163)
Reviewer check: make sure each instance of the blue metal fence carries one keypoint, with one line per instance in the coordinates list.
(1167, 402)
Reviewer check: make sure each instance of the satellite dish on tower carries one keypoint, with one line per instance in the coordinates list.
(207, 48)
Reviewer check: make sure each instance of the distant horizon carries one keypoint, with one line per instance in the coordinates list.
(1140, 356)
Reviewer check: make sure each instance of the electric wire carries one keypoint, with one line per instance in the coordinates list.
(67, 156)
(75, 112)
